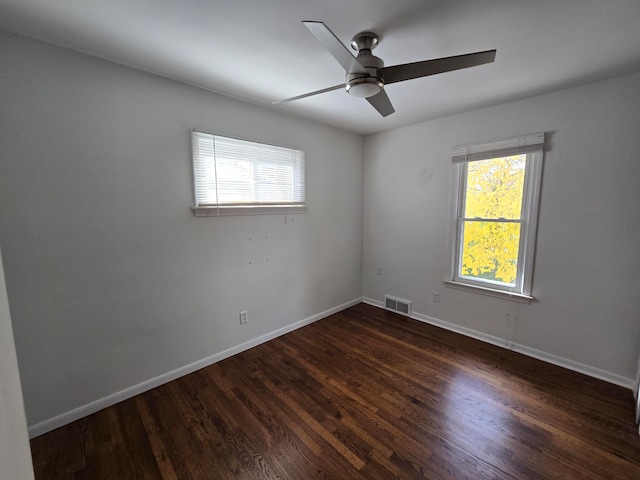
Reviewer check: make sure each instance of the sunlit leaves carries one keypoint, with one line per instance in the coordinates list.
(490, 250)
(494, 191)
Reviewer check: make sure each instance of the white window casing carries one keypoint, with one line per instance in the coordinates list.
(533, 147)
(239, 177)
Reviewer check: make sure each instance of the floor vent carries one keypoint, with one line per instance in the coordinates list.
(397, 305)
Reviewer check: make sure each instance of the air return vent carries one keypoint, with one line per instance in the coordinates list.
(397, 305)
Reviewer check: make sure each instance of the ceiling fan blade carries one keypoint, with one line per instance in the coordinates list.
(310, 94)
(336, 48)
(380, 101)
(408, 71)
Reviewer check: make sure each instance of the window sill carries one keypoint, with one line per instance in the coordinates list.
(248, 210)
(492, 292)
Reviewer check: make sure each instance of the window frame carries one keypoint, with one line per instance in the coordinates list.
(217, 209)
(534, 151)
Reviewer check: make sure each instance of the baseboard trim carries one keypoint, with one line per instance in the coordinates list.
(523, 349)
(97, 405)
(372, 302)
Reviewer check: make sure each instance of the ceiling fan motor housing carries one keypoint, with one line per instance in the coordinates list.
(365, 84)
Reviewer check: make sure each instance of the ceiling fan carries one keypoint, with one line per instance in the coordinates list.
(366, 74)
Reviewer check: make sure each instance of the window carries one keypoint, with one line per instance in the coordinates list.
(234, 176)
(495, 215)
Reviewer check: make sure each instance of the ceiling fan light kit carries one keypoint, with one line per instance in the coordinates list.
(363, 87)
(366, 74)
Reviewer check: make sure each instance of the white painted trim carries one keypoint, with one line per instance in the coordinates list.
(636, 395)
(248, 210)
(516, 347)
(483, 290)
(373, 303)
(588, 370)
(92, 407)
(528, 226)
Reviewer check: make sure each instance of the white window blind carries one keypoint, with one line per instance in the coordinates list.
(498, 148)
(234, 175)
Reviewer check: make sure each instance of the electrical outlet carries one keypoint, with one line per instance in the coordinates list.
(243, 317)
(436, 297)
(379, 270)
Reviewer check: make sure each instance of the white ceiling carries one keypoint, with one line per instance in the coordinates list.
(259, 51)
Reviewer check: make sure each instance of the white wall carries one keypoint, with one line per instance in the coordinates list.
(587, 307)
(15, 456)
(112, 280)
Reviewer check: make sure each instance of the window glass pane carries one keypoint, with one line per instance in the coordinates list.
(490, 251)
(234, 181)
(494, 188)
(274, 181)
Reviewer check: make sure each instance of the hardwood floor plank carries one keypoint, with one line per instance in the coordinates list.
(363, 394)
(312, 460)
(160, 453)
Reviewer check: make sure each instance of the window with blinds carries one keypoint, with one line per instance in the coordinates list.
(495, 214)
(233, 176)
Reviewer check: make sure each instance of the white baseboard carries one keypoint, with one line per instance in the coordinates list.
(371, 301)
(516, 347)
(84, 410)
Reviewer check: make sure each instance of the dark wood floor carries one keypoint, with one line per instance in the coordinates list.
(364, 394)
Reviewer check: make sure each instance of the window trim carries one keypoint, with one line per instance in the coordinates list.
(226, 211)
(245, 208)
(513, 296)
(533, 147)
